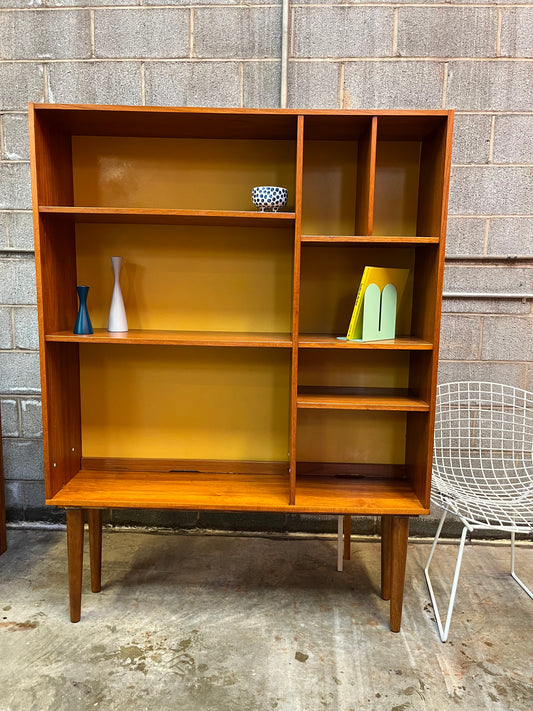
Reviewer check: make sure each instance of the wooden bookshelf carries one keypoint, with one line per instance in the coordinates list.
(235, 392)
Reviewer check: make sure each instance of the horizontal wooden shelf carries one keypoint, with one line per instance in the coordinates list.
(331, 398)
(176, 338)
(400, 343)
(370, 239)
(238, 492)
(126, 215)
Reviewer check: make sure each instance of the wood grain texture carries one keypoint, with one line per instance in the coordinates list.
(399, 537)
(347, 535)
(191, 466)
(404, 343)
(238, 492)
(386, 558)
(368, 239)
(139, 216)
(75, 526)
(176, 338)
(332, 398)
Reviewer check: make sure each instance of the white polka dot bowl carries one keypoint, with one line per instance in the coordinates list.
(269, 198)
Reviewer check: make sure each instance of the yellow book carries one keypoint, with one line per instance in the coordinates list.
(381, 276)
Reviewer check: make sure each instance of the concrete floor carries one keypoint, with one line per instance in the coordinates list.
(227, 623)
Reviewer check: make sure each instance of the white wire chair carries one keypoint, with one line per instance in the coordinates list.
(482, 467)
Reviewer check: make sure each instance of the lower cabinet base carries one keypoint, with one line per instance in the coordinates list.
(394, 536)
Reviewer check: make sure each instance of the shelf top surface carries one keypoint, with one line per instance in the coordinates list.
(238, 492)
(162, 337)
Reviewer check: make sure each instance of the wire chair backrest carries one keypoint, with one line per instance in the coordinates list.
(483, 448)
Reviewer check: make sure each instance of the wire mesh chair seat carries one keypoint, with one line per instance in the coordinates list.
(482, 466)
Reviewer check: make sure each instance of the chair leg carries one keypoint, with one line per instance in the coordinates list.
(340, 543)
(513, 574)
(443, 632)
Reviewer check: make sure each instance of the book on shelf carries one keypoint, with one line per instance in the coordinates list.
(380, 276)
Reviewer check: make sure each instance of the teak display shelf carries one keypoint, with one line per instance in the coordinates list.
(232, 391)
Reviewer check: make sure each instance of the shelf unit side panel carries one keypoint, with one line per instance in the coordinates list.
(396, 187)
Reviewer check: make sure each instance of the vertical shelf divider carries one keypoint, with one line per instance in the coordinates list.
(296, 310)
(366, 180)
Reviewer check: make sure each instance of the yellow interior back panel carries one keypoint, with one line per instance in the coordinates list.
(178, 173)
(186, 402)
(329, 187)
(189, 278)
(396, 191)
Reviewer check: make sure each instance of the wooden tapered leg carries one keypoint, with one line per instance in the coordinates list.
(386, 558)
(75, 527)
(399, 536)
(95, 547)
(347, 537)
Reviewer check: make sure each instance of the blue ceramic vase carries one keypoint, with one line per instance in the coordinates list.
(83, 324)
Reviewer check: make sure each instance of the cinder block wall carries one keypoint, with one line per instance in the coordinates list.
(474, 56)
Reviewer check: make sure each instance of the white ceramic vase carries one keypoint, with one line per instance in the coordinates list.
(117, 313)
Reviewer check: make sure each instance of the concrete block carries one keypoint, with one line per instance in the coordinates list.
(313, 85)
(17, 285)
(6, 328)
(506, 373)
(16, 144)
(31, 413)
(142, 33)
(210, 2)
(447, 32)
(10, 418)
(20, 83)
(513, 139)
(511, 235)
(19, 372)
(4, 242)
(465, 235)
(19, 231)
(490, 86)
(153, 518)
(393, 85)
(343, 32)
(92, 3)
(459, 337)
(14, 506)
(529, 378)
(485, 306)
(192, 84)
(261, 84)
(16, 187)
(26, 329)
(237, 32)
(35, 509)
(514, 279)
(491, 190)
(23, 459)
(426, 526)
(45, 35)
(95, 82)
(471, 139)
(507, 338)
(516, 39)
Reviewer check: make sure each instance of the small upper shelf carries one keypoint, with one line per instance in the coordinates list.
(133, 215)
(371, 239)
(400, 343)
(176, 338)
(333, 398)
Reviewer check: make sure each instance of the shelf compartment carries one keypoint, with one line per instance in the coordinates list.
(176, 338)
(400, 343)
(139, 216)
(361, 239)
(379, 399)
(238, 492)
